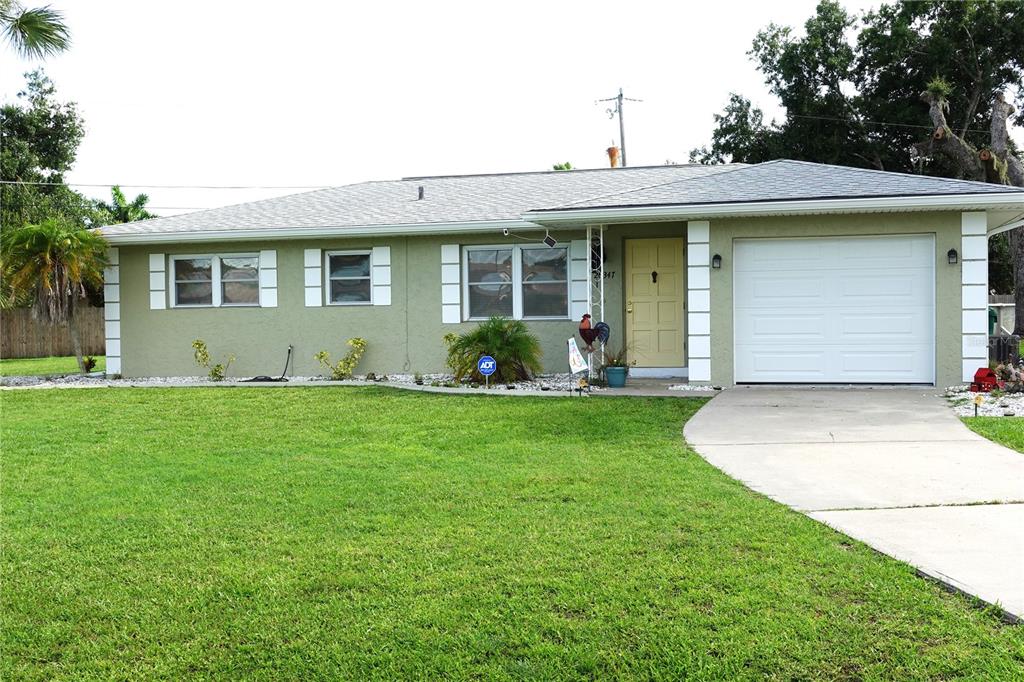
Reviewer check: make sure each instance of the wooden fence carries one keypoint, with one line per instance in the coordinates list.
(23, 337)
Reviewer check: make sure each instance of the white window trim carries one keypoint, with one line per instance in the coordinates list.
(517, 280)
(216, 280)
(327, 276)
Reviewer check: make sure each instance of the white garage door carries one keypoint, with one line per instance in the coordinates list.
(835, 310)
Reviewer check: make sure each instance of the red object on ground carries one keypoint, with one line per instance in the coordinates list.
(985, 380)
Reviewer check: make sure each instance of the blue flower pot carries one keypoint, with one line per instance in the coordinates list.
(616, 376)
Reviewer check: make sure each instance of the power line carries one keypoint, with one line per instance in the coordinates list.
(879, 123)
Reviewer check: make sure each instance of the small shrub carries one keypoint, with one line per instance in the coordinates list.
(217, 371)
(509, 342)
(619, 358)
(89, 362)
(344, 368)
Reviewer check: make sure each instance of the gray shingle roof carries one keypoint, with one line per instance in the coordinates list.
(511, 196)
(448, 199)
(787, 180)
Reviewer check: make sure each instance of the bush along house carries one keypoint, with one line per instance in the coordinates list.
(785, 271)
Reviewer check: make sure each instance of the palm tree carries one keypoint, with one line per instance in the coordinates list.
(123, 211)
(51, 264)
(34, 33)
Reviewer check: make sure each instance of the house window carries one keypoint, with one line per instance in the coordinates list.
(193, 281)
(521, 282)
(240, 280)
(349, 278)
(545, 282)
(489, 282)
(216, 280)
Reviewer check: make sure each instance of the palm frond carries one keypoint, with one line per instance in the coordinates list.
(34, 33)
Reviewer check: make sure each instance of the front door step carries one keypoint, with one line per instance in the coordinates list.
(659, 372)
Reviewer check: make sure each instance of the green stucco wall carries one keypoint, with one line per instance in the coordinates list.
(945, 226)
(406, 336)
(402, 337)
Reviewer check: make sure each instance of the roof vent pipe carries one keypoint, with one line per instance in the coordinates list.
(420, 196)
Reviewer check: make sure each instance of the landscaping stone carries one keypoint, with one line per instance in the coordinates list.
(545, 382)
(1000, 405)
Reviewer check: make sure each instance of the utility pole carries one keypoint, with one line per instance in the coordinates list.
(617, 111)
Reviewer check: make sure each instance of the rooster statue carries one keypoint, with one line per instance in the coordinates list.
(597, 332)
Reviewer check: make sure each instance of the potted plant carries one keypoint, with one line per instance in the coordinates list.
(616, 366)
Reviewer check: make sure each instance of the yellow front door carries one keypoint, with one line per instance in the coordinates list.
(654, 302)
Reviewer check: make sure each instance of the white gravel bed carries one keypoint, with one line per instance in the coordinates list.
(1004, 405)
(100, 380)
(693, 387)
(543, 382)
(546, 382)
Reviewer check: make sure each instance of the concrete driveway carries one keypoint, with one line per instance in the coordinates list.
(891, 467)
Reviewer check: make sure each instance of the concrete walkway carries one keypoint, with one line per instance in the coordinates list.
(891, 467)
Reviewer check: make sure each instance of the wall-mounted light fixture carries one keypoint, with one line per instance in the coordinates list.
(716, 261)
(952, 257)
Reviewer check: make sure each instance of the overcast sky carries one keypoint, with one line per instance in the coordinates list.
(329, 93)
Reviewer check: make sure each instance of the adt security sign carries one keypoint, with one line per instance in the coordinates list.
(486, 365)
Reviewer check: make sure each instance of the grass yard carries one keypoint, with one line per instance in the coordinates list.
(1008, 431)
(38, 366)
(372, 533)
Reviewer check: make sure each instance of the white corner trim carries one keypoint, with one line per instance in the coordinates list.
(112, 311)
(313, 278)
(973, 292)
(698, 300)
(380, 275)
(157, 281)
(451, 284)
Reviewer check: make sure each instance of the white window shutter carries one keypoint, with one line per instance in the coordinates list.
(451, 286)
(268, 279)
(157, 281)
(380, 262)
(579, 274)
(314, 279)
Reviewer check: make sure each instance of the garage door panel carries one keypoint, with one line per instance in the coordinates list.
(779, 326)
(871, 326)
(879, 287)
(776, 257)
(843, 309)
(765, 290)
(774, 290)
(782, 365)
(896, 365)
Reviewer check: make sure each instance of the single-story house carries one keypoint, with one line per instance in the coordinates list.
(784, 271)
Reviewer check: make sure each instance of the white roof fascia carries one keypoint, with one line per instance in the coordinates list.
(789, 207)
(1006, 227)
(185, 237)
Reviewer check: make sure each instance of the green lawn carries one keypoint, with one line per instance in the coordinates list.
(52, 365)
(355, 533)
(1008, 431)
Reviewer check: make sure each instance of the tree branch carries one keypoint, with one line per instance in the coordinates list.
(975, 98)
(944, 141)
